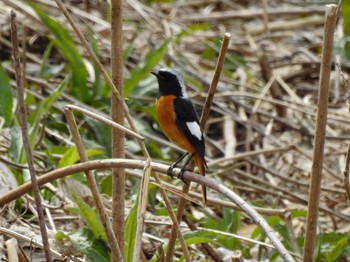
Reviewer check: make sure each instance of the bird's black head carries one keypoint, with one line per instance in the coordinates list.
(170, 83)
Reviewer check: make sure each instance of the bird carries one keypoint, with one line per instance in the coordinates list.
(179, 121)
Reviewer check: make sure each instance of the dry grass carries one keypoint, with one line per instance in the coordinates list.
(259, 133)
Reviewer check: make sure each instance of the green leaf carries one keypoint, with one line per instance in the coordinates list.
(332, 246)
(106, 185)
(340, 248)
(60, 235)
(71, 156)
(347, 48)
(89, 245)
(91, 218)
(44, 108)
(16, 145)
(198, 237)
(103, 135)
(65, 43)
(231, 222)
(345, 13)
(130, 233)
(152, 58)
(6, 96)
(99, 87)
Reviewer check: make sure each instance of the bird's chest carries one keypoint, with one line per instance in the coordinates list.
(166, 118)
(165, 110)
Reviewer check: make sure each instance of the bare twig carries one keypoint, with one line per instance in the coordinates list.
(215, 81)
(24, 128)
(93, 186)
(282, 25)
(247, 14)
(28, 240)
(266, 17)
(319, 140)
(347, 174)
(106, 121)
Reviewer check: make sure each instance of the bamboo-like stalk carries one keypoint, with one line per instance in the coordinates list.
(118, 136)
(22, 114)
(320, 131)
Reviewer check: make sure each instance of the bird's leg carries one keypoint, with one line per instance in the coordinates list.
(170, 169)
(183, 169)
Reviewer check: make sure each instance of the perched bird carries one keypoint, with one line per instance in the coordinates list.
(179, 121)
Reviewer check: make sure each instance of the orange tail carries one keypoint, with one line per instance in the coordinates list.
(201, 167)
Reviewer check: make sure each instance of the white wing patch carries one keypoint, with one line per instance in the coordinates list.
(195, 129)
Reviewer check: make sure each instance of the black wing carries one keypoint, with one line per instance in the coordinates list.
(185, 113)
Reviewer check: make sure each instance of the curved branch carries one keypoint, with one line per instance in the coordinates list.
(161, 168)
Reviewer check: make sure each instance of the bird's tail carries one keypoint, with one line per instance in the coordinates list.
(200, 163)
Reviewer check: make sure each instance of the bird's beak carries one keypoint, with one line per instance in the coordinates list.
(155, 73)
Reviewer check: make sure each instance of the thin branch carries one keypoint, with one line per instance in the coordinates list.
(93, 186)
(320, 131)
(28, 240)
(215, 81)
(265, 16)
(347, 174)
(24, 129)
(106, 121)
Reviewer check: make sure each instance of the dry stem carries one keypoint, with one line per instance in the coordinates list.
(118, 136)
(24, 129)
(320, 131)
(347, 174)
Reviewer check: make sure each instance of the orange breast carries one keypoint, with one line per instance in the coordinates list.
(166, 117)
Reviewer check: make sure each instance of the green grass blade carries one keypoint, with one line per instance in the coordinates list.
(92, 247)
(6, 96)
(345, 13)
(92, 218)
(65, 43)
(130, 232)
(152, 58)
(45, 107)
(71, 156)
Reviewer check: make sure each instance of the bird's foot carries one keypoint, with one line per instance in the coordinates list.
(181, 174)
(169, 172)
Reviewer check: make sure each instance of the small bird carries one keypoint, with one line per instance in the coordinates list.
(179, 120)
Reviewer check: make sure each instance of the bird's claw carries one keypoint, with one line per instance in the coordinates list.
(169, 172)
(181, 175)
